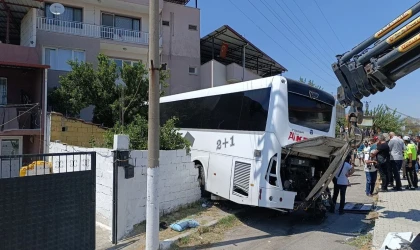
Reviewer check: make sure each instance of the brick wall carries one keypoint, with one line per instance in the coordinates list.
(178, 185)
(75, 132)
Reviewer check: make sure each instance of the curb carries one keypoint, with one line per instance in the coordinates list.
(166, 244)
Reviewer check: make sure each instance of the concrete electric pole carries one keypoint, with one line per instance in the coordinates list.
(152, 210)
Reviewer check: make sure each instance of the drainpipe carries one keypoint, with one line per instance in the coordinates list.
(243, 62)
(44, 112)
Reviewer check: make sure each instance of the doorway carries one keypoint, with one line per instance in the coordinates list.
(10, 146)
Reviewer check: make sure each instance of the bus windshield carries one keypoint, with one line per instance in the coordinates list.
(310, 113)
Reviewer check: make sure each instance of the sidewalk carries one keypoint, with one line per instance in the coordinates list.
(398, 212)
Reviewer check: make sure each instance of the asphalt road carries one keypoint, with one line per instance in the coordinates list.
(266, 229)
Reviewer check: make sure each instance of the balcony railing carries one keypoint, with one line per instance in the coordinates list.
(19, 116)
(94, 31)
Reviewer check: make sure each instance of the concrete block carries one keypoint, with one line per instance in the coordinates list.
(186, 158)
(164, 160)
(189, 180)
(121, 142)
(181, 152)
(136, 154)
(193, 172)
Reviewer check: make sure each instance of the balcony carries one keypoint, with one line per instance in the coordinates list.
(93, 31)
(19, 117)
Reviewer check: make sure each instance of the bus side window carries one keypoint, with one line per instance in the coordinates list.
(271, 175)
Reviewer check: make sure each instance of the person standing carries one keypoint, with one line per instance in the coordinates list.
(383, 157)
(396, 147)
(360, 152)
(410, 156)
(341, 181)
(370, 171)
(418, 152)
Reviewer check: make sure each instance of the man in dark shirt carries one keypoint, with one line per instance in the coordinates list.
(383, 158)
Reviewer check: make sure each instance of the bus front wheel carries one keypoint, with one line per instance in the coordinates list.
(202, 180)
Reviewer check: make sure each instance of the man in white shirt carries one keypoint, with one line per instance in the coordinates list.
(341, 182)
(396, 148)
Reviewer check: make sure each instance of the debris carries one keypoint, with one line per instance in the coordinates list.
(207, 204)
(397, 240)
(348, 239)
(163, 225)
(415, 244)
(358, 208)
(185, 224)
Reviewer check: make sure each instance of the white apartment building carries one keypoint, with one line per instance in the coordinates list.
(116, 28)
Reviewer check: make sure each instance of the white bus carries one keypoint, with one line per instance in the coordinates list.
(252, 140)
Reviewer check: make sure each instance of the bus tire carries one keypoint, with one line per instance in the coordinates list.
(202, 180)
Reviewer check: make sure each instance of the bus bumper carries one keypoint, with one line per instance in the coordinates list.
(274, 197)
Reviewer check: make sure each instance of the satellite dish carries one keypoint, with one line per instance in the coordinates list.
(57, 9)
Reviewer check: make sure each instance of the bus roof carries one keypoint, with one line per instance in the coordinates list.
(225, 89)
(250, 85)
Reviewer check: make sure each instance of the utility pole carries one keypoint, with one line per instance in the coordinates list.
(367, 106)
(152, 209)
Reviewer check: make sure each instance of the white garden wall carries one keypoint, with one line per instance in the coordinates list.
(178, 185)
(104, 176)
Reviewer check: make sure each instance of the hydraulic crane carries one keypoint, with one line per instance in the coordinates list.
(378, 62)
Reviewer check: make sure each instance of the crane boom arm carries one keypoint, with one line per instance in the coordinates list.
(378, 62)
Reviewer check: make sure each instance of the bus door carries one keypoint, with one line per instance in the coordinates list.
(242, 182)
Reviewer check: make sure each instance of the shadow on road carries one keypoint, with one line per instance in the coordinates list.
(412, 214)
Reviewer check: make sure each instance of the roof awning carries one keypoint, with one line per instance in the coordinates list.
(183, 2)
(23, 65)
(255, 59)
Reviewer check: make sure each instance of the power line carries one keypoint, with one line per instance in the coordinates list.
(307, 31)
(290, 40)
(262, 30)
(291, 31)
(329, 24)
(313, 26)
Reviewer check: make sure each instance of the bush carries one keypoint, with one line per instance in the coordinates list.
(137, 130)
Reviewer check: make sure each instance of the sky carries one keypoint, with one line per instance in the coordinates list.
(305, 36)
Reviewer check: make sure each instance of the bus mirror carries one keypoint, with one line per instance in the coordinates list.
(257, 153)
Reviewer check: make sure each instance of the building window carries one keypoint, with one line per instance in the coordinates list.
(165, 23)
(3, 91)
(121, 62)
(192, 27)
(121, 22)
(71, 14)
(58, 58)
(192, 70)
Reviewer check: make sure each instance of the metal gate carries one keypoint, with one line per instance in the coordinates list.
(47, 201)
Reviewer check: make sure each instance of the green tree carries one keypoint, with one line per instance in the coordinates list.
(310, 83)
(137, 130)
(386, 120)
(84, 85)
(412, 124)
(340, 122)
